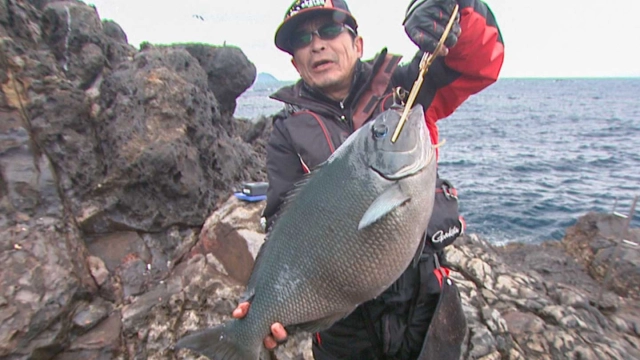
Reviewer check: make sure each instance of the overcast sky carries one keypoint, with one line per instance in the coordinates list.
(543, 38)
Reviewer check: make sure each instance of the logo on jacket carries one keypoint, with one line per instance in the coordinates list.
(441, 236)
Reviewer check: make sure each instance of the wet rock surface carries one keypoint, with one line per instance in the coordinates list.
(119, 232)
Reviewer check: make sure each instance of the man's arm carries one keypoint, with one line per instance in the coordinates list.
(471, 65)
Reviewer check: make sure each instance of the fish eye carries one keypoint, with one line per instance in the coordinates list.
(380, 130)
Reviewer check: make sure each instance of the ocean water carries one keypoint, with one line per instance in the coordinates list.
(530, 156)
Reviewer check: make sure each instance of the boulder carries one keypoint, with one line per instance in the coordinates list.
(144, 150)
(110, 161)
(43, 276)
(596, 240)
(232, 236)
(81, 44)
(229, 72)
(44, 272)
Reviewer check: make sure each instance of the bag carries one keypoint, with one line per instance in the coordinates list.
(448, 327)
(411, 307)
(446, 224)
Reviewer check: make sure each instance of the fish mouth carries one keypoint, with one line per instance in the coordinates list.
(409, 155)
(409, 170)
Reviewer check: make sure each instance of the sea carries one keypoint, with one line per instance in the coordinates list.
(530, 156)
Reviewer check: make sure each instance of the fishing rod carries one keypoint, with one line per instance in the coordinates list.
(425, 63)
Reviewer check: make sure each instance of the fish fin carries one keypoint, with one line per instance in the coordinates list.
(390, 199)
(321, 324)
(286, 202)
(298, 185)
(218, 343)
(250, 289)
(291, 195)
(249, 292)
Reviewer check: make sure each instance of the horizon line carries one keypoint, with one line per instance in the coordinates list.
(511, 77)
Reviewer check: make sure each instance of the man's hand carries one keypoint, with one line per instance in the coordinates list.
(425, 23)
(278, 333)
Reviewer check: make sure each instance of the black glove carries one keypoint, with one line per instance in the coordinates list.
(426, 20)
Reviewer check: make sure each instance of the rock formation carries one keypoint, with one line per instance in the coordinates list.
(111, 159)
(119, 231)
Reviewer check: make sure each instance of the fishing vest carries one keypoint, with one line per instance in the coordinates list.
(315, 137)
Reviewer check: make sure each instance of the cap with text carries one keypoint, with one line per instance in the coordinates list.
(302, 10)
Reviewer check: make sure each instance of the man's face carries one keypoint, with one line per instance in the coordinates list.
(327, 65)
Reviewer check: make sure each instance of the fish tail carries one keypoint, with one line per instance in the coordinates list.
(219, 343)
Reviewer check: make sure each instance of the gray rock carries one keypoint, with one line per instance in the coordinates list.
(523, 323)
(22, 22)
(28, 185)
(482, 342)
(167, 248)
(102, 340)
(229, 72)
(91, 60)
(133, 275)
(135, 314)
(64, 161)
(40, 278)
(625, 269)
(67, 28)
(98, 269)
(88, 315)
(4, 13)
(115, 248)
(113, 30)
(157, 158)
(232, 236)
(585, 241)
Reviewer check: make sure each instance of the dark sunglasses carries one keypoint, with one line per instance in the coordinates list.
(328, 31)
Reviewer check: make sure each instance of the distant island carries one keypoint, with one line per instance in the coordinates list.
(267, 82)
(266, 78)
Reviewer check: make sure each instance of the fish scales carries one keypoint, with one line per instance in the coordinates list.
(345, 236)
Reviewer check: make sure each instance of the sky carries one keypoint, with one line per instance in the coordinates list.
(543, 38)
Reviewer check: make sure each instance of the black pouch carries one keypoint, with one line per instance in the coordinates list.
(448, 326)
(446, 224)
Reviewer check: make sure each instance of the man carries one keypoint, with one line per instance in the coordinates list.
(336, 94)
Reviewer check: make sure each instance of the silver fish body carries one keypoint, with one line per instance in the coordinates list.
(346, 233)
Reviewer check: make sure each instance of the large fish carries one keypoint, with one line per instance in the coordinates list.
(344, 235)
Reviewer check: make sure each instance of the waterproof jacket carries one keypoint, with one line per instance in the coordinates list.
(311, 125)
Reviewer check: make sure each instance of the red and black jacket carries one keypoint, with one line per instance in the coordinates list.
(312, 126)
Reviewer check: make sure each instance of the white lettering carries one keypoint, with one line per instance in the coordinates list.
(304, 4)
(441, 236)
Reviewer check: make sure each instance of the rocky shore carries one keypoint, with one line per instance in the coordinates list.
(119, 231)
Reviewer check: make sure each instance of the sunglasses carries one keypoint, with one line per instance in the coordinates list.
(328, 31)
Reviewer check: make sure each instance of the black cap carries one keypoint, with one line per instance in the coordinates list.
(302, 10)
